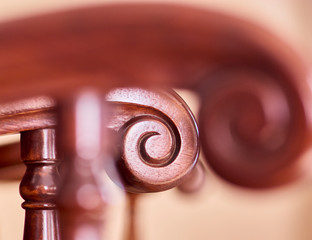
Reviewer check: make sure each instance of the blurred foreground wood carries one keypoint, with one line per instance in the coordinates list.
(56, 69)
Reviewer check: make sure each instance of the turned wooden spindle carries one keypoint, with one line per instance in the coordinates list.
(81, 135)
(39, 184)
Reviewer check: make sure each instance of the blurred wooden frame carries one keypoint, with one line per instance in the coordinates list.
(63, 55)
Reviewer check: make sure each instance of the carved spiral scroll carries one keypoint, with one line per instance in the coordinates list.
(157, 142)
(253, 126)
(159, 145)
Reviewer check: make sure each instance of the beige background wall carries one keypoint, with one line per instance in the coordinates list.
(220, 211)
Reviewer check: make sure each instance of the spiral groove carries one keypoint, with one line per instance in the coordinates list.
(159, 139)
(253, 127)
(156, 141)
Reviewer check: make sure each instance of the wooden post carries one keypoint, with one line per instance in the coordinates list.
(39, 184)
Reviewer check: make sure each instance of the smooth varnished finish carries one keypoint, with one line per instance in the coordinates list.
(158, 138)
(39, 184)
(27, 114)
(255, 119)
(159, 46)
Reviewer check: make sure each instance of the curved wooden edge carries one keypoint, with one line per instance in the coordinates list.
(27, 114)
(157, 43)
(159, 143)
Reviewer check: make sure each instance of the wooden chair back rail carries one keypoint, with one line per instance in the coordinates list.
(253, 90)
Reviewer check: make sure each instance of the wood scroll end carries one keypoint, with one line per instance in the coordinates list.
(159, 138)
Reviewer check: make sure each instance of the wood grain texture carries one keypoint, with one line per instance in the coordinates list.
(27, 114)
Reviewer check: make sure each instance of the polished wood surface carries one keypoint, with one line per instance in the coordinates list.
(253, 89)
(63, 63)
(27, 114)
(166, 126)
(40, 184)
(158, 138)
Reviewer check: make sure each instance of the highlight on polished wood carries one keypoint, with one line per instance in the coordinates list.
(90, 86)
(40, 184)
(158, 138)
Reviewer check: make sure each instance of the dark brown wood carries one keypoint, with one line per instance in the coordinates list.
(39, 184)
(158, 138)
(83, 140)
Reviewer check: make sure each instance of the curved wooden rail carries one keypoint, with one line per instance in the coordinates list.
(155, 44)
(255, 120)
(134, 44)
